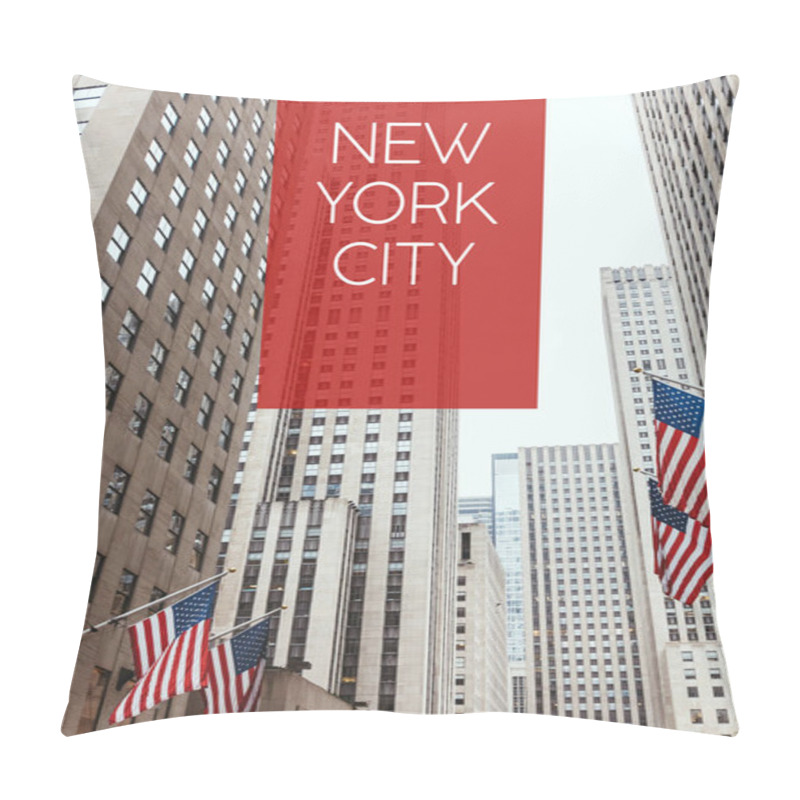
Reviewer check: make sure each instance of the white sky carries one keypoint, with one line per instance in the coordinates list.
(598, 212)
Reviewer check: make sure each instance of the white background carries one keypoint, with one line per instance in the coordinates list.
(53, 398)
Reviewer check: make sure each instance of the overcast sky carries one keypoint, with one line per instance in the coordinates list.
(598, 212)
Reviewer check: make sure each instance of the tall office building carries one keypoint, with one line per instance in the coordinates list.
(645, 328)
(684, 131)
(514, 555)
(179, 201)
(348, 518)
(586, 644)
(477, 509)
(481, 680)
(582, 648)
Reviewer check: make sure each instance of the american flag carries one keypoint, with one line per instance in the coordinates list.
(680, 451)
(170, 650)
(236, 671)
(682, 548)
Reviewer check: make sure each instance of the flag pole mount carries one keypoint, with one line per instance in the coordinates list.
(643, 371)
(119, 617)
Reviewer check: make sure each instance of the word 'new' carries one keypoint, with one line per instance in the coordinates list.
(391, 144)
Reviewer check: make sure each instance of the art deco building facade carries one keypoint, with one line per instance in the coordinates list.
(179, 200)
(684, 131)
(645, 328)
(583, 651)
(481, 680)
(348, 518)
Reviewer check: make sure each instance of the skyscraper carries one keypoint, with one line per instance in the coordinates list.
(684, 131)
(582, 648)
(645, 328)
(179, 199)
(514, 555)
(481, 680)
(348, 517)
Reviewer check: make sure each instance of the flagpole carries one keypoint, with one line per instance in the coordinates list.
(670, 380)
(245, 624)
(645, 473)
(113, 620)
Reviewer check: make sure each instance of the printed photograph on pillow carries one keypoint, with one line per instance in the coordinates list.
(404, 407)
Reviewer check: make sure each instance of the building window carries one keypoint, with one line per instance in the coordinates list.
(214, 483)
(105, 290)
(209, 290)
(220, 251)
(163, 233)
(230, 216)
(128, 330)
(199, 550)
(236, 387)
(199, 224)
(158, 356)
(173, 310)
(118, 243)
(113, 380)
(225, 431)
(115, 490)
(147, 279)
(182, 385)
(141, 411)
(263, 179)
(192, 463)
(147, 512)
(212, 186)
(692, 691)
(239, 183)
(247, 244)
(271, 150)
(196, 338)
(174, 532)
(258, 122)
(722, 716)
(137, 197)
(204, 120)
(192, 154)
(124, 593)
(154, 156)
(178, 191)
(170, 118)
(204, 412)
(187, 265)
(217, 362)
(233, 121)
(228, 318)
(247, 343)
(249, 152)
(223, 151)
(238, 279)
(255, 210)
(166, 444)
(255, 305)
(696, 715)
